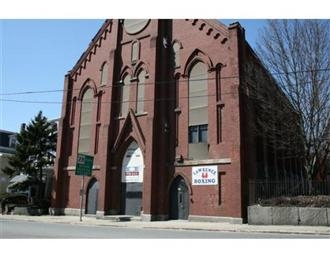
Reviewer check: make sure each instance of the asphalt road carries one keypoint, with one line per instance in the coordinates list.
(14, 229)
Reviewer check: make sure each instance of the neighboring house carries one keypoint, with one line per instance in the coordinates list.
(7, 148)
(168, 110)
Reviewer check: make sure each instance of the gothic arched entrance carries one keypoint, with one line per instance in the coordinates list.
(132, 180)
(179, 199)
(92, 196)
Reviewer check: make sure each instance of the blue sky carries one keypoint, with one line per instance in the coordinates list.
(35, 56)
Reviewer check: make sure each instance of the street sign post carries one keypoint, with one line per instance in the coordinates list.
(84, 167)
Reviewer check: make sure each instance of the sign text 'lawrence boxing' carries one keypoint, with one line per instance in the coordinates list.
(205, 175)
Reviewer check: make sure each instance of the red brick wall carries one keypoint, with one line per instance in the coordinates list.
(213, 43)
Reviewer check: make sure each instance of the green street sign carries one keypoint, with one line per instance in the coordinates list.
(84, 165)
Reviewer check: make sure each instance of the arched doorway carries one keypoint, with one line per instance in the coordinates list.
(92, 196)
(132, 180)
(179, 199)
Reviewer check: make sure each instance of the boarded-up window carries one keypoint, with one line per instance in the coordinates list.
(198, 112)
(86, 122)
(125, 95)
(104, 74)
(140, 92)
(135, 52)
(198, 95)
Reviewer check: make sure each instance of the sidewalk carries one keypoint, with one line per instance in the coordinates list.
(176, 224)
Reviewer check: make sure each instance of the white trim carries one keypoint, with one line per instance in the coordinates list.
(203, 162)
(72, 168)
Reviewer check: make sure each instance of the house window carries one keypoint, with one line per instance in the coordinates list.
(86, 122)
(125, 90)
(104, 74)
(193, 134)
(12, 141)
(198, 133)
(140, 92)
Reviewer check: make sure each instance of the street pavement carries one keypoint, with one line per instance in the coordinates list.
(175, 224)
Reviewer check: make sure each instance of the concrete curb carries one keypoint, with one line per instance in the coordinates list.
(176, 225)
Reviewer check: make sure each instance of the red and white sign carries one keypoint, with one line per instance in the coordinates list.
(205, 175)
(133, 166)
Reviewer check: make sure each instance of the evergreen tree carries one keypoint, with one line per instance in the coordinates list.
(36, 145)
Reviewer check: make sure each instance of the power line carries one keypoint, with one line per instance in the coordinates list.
(120, 101)
(116, 101)
(129, 101)
(31, 101)
(29, 92)
(156, 83)
(119, 84)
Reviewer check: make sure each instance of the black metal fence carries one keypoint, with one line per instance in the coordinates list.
(264, 189)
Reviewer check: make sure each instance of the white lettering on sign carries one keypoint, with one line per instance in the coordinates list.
(132, 173)
(81, 159)
(206, 175)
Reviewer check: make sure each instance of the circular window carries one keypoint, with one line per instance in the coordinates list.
(133, 26)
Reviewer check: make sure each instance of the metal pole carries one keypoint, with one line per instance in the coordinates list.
(81, 196)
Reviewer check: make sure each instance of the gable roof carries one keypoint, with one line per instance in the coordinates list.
(95, 42)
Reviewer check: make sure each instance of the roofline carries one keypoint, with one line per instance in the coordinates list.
(5, 131)
(90, 46)
(218, 25)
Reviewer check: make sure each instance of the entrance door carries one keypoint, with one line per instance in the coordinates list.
(92, 196)
(179, 208)
(132, 181)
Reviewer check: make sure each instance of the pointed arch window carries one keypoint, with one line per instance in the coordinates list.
(85, 127)
(104, 74)
(140, 92)
(198, 111)
(125, 92)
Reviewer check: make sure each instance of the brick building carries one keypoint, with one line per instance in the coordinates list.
(165, 109)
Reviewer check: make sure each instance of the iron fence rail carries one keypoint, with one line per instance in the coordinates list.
(264, 189)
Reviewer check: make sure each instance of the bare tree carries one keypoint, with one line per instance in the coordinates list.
(297, 53)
